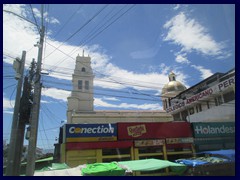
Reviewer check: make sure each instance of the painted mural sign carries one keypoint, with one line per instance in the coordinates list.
(214, 129)
(90, 132)
(137, 130)
(150, 142)
(179, 140)
(203, 95)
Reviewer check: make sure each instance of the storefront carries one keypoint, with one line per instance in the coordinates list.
(90, 143)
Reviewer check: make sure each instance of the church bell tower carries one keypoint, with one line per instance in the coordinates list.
(81, 98)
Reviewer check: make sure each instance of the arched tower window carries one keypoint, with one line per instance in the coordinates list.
(83, 69)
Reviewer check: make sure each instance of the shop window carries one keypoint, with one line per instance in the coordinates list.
(166, 104)
(191, 111)
(229, 96)
(184, 115)
(87, 85)
(208, 106)
(169, 102)
(79, 84)
(218, 100)
(199, 108)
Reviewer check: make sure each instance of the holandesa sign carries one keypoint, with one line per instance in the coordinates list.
(214, 129)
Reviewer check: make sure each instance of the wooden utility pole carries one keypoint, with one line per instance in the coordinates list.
(31, 157)
(12, 164)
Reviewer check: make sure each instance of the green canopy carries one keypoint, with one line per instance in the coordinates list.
(153, 164)
(103, 169)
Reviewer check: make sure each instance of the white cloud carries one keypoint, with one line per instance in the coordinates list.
(56, 93)
(45, 102)
(7, 112)
(191, 35)
(20, 35)
(7, 104)
(205, 73)
(37, 13)
(181, 58)
(51, 20)
(110, 98)
(148, 53)
(100, 102)
(176, 7)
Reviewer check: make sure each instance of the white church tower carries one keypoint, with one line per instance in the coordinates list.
(81, 98)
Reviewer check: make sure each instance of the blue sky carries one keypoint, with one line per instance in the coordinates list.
(133, 49)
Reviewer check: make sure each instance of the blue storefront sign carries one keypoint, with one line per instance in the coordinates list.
(90, 132)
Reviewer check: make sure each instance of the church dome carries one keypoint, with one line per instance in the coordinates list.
(173, 86)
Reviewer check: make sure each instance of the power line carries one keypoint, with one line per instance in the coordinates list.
(20, 17)
(34, 18)
(9, 86)
(78, 30)
(89, 34)
(96, 34)
(68, 20)
(107, 26)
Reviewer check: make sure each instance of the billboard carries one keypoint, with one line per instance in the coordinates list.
(90, 132)
(154, 130)
(214, 129)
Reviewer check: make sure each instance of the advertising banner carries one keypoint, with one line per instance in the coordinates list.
(214, 129)
(150, 142)
(159, 130)
(90, 132)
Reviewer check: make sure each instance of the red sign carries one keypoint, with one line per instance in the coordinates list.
(151, 130)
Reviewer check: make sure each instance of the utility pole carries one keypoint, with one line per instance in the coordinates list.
(12, 155)
(36, 107)
(24, 115)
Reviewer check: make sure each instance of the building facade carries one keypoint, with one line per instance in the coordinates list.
(211, 100)
(81, 101)
(104, 136)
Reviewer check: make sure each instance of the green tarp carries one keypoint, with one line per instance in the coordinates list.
(103, 169)
(153, 164)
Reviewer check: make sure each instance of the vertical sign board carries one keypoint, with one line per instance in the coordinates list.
(214, 129)
(90, 132)
(159, 130)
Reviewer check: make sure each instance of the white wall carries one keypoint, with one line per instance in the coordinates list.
(224, 112)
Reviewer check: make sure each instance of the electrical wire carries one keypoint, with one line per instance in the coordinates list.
(97, 33)
(67, 21)
(9, 86)
(35, 19)
(78, 30)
